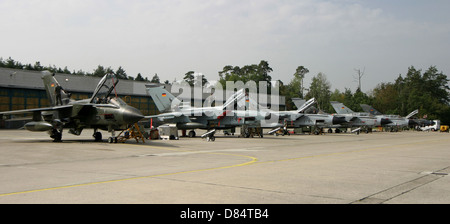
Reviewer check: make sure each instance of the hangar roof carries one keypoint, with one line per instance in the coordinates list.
(25, 79)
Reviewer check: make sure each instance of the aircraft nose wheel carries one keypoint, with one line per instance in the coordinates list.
(112, 139)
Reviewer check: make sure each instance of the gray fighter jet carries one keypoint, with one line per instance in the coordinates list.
(362, 121)
(101, 111)
(173, 111)
(304, 117)
(396, 120)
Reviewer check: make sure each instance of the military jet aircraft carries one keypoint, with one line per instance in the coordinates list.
(101, 111)
(396, 120)
(173, 111)
(302, 117)
(360, 120)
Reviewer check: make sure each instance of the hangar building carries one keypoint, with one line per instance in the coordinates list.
(24, 89)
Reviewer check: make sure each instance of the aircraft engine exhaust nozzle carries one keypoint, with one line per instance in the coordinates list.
(338, 120)
(385, 121)
(412, 122)
(132, 115)
(38, 126)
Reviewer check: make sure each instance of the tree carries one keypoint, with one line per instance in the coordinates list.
(299, 74)
(139, 77)
(121, 74)
(10, 63)
(292, 90)
(200, 78)
(66, 70)
(428, 92)
(80, 72)
(99, 71)
(189, 78)
(359, 98)
(320, 89)
(155, 79)
(262, 72)
(386, 98)
(37, 66)
(254, 72)
(295, 87)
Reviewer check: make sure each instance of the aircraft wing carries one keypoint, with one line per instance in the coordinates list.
(36, 110)
(77, 108)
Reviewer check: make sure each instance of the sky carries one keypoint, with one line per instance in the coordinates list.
(171, 37)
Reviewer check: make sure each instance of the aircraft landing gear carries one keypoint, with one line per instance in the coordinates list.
(210, 135)
(112, 140)
(191, 134)
(97, 136)
(56, 135)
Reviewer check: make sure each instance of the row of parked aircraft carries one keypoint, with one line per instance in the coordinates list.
(302, 117)
(106, 111)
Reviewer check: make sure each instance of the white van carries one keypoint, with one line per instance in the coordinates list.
(435, 127)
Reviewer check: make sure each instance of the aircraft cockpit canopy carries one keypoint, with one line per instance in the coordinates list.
(105, 87)
(118, 102)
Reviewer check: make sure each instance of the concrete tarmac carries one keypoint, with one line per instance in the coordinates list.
(381, 167)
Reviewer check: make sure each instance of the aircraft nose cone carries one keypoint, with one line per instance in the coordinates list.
(385, 121)
(132, 115)
(338, 120)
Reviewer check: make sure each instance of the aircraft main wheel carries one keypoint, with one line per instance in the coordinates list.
(56, 135)
(98, 136)
(191, 134)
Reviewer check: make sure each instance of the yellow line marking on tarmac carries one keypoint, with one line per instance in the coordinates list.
(252, 160)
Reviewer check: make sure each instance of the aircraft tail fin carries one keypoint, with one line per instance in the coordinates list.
(55, 93)
(340, 108)
(298, 102)
(163, 99)
(306, 105)
(412, 114)
(235, 98)
(369, 109)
